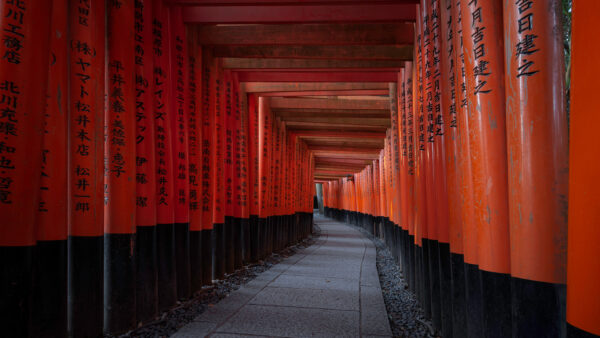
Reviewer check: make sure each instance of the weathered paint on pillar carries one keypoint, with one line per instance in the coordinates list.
(537, 140)
(165, 190)
(86, 158)
(145, 161)
(484, 52)
(583, 266)
(49, 317)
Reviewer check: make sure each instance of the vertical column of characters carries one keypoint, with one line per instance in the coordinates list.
(120, 171)
(473, 293)
(421, 170)
(49, 316)
(401, 144)
(440, 196)
(534, 78)
(165, 186)
(253, 175)
(408, 140)
(218, 138)
(178, 64)
(583, 272)
(395, 151)
(194, 106)
(145, 162)
(451, 146)
(229, 230)
(208, 163)
(87, 66)
(240, 185)
(484, 55)
(276, 185)
(264, 142)
(376, 197)
(430, 244)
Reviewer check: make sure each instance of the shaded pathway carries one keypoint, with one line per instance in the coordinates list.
(329, 289)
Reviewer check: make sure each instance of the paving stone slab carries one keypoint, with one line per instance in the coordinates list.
(315, 282)
(293, 322)
(313, 298)
(374, 320)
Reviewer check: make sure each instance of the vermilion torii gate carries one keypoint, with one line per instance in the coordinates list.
(149, 147)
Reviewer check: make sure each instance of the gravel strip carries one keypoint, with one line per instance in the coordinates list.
(184, 312)
(404, 312)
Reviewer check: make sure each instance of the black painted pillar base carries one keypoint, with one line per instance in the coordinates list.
(86, 277)
(575, 332)
(475, 326)
(459, 297)
(427, 278)
(146, 296)
(167, 279)
(207, 256)
(245, 239)
(254, 238)
(228, 247)
(16, 270)
(218, 251)
(445, 288)
(411, 262)
(119, 283)
(196, 261)
(261, 238)
(49, 317)
(538, 308)
(497, 308)
(238, 243)
(182, 260)
(434, 278)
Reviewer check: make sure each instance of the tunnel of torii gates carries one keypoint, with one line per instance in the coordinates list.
(148, 148)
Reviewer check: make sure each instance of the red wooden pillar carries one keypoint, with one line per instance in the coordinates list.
(264, 146)
(194, 106)
(146, 268)
(86, 160)
(253, 176)
(179, 125)
(583, 272)
(423, 152)
(229, 230)
(473, 293)
(218, 136)
(537, 142)
(208, 163)
(439, 161)
(484, 55)
(23, 88)
(395, 171)
(449, 67)
(409, 163)
(165, 191)
(120, 173)
(241, 175)
(49, 316)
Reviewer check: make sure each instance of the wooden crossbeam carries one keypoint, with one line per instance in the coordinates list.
(307, 34)
(377, 52)
(318, 76)
(262, 63)
(349, 121)
(265, 87)
(299, 13)
(279, 102)
(335, 134)
(357, 92)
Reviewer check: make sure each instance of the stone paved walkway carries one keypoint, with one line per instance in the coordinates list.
(330, 289)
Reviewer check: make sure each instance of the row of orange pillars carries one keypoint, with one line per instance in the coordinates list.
(133, 171)
(493, 217)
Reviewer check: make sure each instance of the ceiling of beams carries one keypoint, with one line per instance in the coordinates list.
(324, 65)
